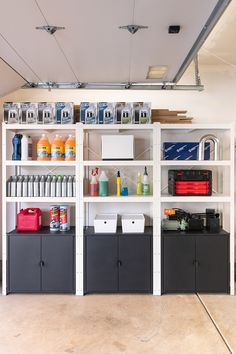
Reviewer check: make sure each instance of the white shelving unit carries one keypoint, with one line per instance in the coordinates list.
(151, 156)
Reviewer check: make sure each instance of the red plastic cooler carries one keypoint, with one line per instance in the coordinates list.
(29, 219)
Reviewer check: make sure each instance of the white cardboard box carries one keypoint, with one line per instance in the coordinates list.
(117, 147)
(105, 223)
(132, 223)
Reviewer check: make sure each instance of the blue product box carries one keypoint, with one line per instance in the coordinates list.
(106, 113)
(88, 113)
(65, 112)
(184, 151)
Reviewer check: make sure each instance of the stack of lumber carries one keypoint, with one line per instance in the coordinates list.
(167, 116)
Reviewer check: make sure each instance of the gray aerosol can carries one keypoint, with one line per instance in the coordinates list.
(53, 186)
(42, 186)
(58, 186)
(64, 187)
(36, 186)
(31, 186)
(48, 186)
(13, 186)
(70, 186)
(25, 186)
(19, 186)
(74, 186)
(9, 186)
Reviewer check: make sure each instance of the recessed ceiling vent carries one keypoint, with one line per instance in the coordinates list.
(49, 29)
(133, 28)
(156, 72)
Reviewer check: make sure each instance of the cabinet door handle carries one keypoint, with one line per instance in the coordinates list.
(196, 263)
(119, 263)
(42, 264)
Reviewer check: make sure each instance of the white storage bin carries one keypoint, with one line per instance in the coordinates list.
(117, 147)
(105, 223)
(132, 223)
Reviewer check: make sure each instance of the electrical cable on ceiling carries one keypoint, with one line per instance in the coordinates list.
(58, 44)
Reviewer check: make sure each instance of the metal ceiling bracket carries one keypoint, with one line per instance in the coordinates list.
(133, 28)
(50, 29)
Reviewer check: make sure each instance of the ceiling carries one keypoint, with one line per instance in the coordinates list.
(93, 49)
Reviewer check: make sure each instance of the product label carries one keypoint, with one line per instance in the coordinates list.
(43, 152)
(57, 152)
(70, 152)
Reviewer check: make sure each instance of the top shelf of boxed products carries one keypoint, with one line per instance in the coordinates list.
(65, 113)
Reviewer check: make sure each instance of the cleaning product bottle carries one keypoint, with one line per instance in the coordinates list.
(58, 149)
(70, 186)
(64, 187)
(59, 186)
(145, 184)
(26, 148)
(139, 190)
(43, 149)
(53, 186)
(118, 184)
(16, 142)
(103, 185)
(70, 149)
(74, 186)
(93, 185)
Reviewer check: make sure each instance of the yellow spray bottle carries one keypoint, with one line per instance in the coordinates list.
(118, 184)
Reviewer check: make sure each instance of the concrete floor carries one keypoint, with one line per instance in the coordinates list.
(110, 324)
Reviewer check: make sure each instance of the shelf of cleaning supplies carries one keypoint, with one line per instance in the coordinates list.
(216, 198)
(41, 163)
(17, 127)
(41, 199)
(119, 163)
(115, 199)
(195, 163)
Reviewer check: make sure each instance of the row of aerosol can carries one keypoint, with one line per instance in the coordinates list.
(59, 218)
(41, 186)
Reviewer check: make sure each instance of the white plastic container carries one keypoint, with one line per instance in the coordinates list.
(105, 223)
(132, 223)
(117, 147)
(26, 148)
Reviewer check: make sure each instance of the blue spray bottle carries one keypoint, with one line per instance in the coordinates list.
(16, 141)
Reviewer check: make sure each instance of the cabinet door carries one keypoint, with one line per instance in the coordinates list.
(178, 268)
(101, 263)
(24, 263)
(58, 263)
(212, 271)
(135, 261)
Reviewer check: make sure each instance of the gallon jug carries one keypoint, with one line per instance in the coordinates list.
(26, 148)
(70, 149)
(16, 141)
(43, 149)
(103, 185)
(58, 149)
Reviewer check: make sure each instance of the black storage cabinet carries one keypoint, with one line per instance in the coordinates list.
(195, 262)
(118, 262)
(41, 262)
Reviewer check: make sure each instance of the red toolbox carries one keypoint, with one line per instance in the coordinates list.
(190, 182)
(29, 219)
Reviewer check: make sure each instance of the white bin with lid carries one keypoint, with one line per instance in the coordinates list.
(105, 223)
(132, 223)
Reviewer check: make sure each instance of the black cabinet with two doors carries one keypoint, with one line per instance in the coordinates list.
(41, 262)
(118, 262)
(195, 262)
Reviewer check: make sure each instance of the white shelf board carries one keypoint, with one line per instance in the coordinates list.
(52, 200)
(195, 163)
(196, 126)
(40, 163)
(119, 163)
(40, 126)
(115, 199)
(118, 126)
(216, 198)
